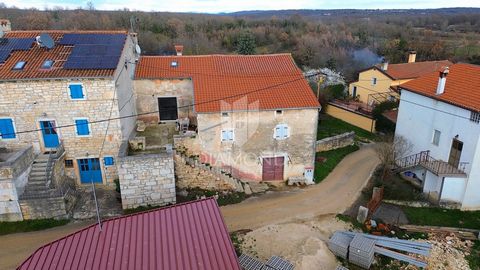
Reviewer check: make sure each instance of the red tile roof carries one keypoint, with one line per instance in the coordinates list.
(35, 57)
(462, 87)
(272, 80)
(185, 236)
(415, 69)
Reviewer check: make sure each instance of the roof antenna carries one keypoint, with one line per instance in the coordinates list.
(96, 205)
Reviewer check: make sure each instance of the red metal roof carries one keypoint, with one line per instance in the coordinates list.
(35, 56)
(184, 236)
(274, 81)
(462, 87)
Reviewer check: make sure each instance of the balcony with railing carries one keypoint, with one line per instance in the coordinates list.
(437, 167)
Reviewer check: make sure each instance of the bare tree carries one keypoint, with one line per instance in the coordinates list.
(390, 149)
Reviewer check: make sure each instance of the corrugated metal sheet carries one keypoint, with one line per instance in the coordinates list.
(185, 236)
(235, 82)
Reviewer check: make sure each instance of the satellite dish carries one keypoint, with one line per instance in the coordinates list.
(138, 50)
(46, 40)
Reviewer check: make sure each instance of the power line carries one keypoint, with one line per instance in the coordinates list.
(166, 109)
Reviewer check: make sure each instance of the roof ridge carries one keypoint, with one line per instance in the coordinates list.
(421, 62)
(217, 55)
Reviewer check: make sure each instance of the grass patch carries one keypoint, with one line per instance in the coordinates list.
(223, 197)
(142, 208)
(352, 220)
(443, 217)
(30, 225)
(330, 126)
(474, 257)
(330, 160)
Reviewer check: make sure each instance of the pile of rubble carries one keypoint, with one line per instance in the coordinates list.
(448, 252)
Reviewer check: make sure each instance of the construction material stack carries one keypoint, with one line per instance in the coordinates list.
(362, 248)
(339, 243)
(361, 251)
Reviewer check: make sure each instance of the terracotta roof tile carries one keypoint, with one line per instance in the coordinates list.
(35, 56)
(184, 236)
(415, 69)
(248, 82)
(462, 87)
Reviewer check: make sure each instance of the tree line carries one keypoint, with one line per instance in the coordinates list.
(315, 41)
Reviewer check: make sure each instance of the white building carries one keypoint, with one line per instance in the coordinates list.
(440, 113)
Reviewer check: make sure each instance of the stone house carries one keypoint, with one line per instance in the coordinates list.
(255, 116)
(56, 85)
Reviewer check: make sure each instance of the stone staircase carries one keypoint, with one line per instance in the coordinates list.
(41, 198)
(38, 186)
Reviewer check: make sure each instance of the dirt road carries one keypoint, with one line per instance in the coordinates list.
(14, 248)
(333, 195)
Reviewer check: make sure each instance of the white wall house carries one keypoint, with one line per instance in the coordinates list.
(439, 113)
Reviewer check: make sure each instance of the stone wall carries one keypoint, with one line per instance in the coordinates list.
(190, 173)
(335, 142)
(44, 208)
(147, 93)
(13, 178)
(146, 180)
(17, 163)
(254, 140)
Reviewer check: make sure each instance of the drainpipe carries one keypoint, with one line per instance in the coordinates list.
(441, 191)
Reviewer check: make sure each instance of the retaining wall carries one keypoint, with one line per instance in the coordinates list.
(335, 142)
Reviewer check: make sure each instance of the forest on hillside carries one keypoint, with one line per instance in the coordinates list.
(345, 40)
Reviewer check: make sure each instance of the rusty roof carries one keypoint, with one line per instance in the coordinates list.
(186, 236)
(462, 87)
(35, 56)
(235, 82)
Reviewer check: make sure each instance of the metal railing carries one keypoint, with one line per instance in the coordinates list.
(438, 167)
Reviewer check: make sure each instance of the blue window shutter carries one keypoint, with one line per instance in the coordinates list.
(108, 161)
(285, 131)
(82, 127)
(76, 91)
(6, 129)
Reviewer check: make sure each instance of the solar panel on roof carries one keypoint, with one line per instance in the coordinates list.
(93, 51)
(8, 45)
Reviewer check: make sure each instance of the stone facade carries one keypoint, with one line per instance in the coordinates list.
(254, 140)
(44, 208)
(27, 102)
(146, 180)
(147, 93)
(13, 178)
(335, 142)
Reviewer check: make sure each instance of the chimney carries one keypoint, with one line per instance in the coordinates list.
(179, 50)
(412, 56)
(442, 79)
(385, 66)
(5, 25)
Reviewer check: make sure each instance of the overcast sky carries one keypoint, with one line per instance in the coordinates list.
(215, 6)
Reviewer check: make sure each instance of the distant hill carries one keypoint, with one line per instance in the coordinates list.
(349, 12)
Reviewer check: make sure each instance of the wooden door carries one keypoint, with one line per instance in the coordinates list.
(455, 153)
(273, 169)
